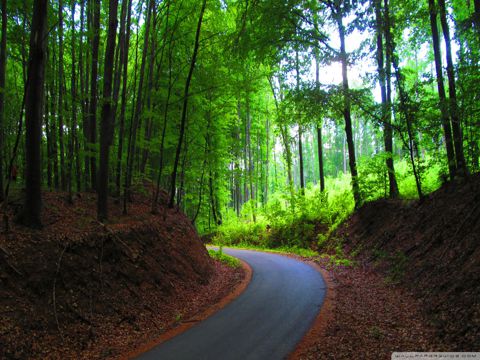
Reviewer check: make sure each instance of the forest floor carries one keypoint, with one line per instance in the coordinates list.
(81, 289)
(415, 283)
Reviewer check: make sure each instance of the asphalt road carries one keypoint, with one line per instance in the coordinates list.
(265, 322)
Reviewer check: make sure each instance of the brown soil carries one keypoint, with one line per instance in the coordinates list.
(81, 289)
(364, 317)
(415, 285)
(431, 247)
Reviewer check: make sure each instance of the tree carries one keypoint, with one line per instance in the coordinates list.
(386, 99)
(33, 115)
(184, 108)
(106, 129)
(3, 65)
(92, 121)
(338, 12)
(456, 126)
(447, 126)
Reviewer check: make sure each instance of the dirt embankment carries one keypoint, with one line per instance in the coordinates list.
(81, 289)
(432, 247)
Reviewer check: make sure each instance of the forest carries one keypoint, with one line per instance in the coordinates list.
(241, 110)
(342, 132)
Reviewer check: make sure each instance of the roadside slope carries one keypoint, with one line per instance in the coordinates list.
(433, 248)
(81, 289)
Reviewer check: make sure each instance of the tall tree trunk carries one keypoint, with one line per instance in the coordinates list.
(138, 109)
(33, 115)
(404, 98)
(73, 141)
(185, 105)
(92, 123)
(267, 162)
(446, 124)
(300, 157)
(386, 105)
(319, 129)
(61, 87)
(452, 92)
(53, 126)
(106, 128)
(3, 64)
(300, 145)
(320, 158)
(48, 136)
(249, 165)
(347, 110)
(167, 101)
(149, 122)
(123, 105)
(84, 96)
(286, 144)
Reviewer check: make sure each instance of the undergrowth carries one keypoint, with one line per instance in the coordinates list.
(303, 223)
(224, 258)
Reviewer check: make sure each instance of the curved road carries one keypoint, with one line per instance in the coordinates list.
(265, 322)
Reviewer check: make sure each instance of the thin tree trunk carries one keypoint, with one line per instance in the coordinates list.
(404, 99)
(185, 104)
(452, 92)
(84, 97)
(165, 112)
(106, 129)
(286, 144)
(385, 94)
(33, 115)
(60, 107)
(347, 110)
(447, 129)
(267, 162)
(73, 148)
(48, 134)
(249, 164)
(320, 158)
(3, 64)
(319, 129)
(149, 122)
(92, 123)
(300, 144)
(138, 109)
(123, 106)
(53, 124)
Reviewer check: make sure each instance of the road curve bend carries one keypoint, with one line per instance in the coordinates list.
(265, 322)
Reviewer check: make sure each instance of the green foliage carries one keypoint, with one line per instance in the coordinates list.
(285, 223)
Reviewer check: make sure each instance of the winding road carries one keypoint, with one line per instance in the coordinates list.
(265, 322)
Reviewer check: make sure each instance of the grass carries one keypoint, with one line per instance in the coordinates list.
(224, 258)
(293, 250)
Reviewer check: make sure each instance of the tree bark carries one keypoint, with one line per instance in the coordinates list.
(3, 64)
(404, 98)
(347, 109)
(138, 109)
(33, 115)
(73, 142)
(319, 130)
(446, 124)
(123, 105)
(452, 92)
(84, 96)
(92, 123)
(60, 108)
(106, 120)
(184, 109)
(386, 101)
